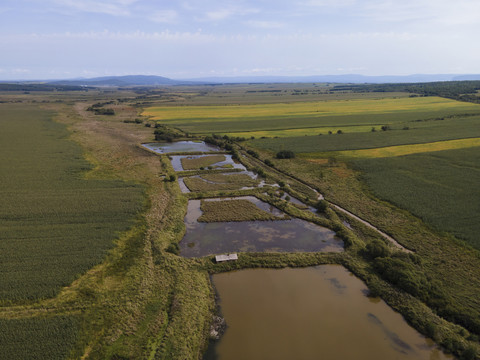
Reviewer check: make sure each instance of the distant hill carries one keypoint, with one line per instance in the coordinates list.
(153, 80)
(346, 79)
(128, 80)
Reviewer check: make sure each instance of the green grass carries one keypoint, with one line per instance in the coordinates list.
(440, 187)
(55, 224)
(37, 338)
(419, 132)
(233, 210)
(204, 161)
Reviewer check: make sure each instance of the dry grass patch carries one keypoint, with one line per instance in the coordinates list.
(214, 182)
(204, 161)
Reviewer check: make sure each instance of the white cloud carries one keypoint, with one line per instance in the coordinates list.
(164, 16)
(265, 24)
(109, 7)
(228, 12)
(329, 3)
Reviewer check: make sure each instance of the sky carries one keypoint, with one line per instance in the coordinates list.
(60, 39)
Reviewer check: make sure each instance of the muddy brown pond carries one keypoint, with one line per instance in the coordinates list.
(310, 313)
(293, 235)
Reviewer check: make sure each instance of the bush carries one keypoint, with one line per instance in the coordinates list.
(173, 248)
(403, 274)
(377, 248)
(171, 178)
(285, 154)
(260, 172)
(252, 153)
(321, 205)
(268, 162)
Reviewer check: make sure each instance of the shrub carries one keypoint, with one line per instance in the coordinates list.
(252, 153)
(173, 248)
(285, 154)
(377, 248)
(268, 162)
(321, 205)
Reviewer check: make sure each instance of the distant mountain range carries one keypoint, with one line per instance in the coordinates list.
(348, 79)
(127, 80)
(152, 80)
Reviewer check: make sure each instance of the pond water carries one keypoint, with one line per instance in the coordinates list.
(176, 161)
(310, 313)
(293, 235)
(180, 146)
(183, 188)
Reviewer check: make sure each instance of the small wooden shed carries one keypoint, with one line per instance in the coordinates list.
(228, 257)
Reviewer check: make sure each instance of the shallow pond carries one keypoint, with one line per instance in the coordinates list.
(180, 146)
(176, 161)
(293, 235)
(310, 313)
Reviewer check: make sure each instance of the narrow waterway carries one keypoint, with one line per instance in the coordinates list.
(310, 313)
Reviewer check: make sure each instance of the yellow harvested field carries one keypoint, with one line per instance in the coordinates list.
(392, 151)
(302, 132)
(315, 109)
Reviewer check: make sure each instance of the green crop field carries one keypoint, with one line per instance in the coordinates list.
(418, 133)
(37, 338)
(286, 116)
(440, 187)
(54, 223)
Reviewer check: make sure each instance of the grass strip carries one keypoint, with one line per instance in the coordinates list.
(204, 161)
(234, 210)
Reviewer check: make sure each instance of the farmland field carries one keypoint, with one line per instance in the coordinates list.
(418, 133)
(400, 150)
(132, 295)
(440, 187)
(55, 224)
(286, 116)
(34, 338)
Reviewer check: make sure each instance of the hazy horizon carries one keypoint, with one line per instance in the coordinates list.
(61, 39)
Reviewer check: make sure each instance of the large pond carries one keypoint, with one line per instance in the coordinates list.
(310, 313)
(293, 235)
(180, 146)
